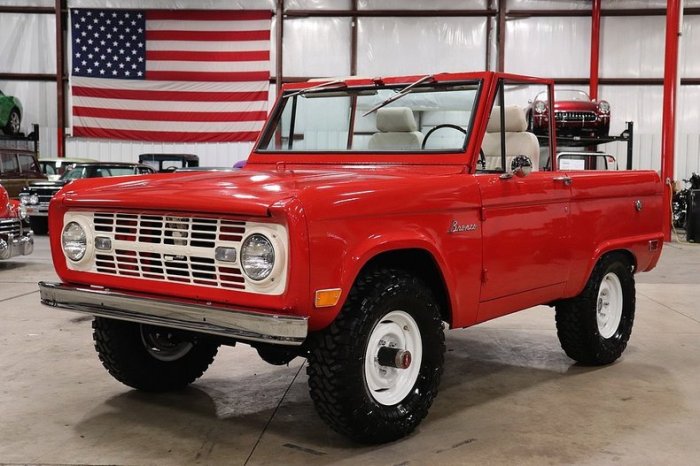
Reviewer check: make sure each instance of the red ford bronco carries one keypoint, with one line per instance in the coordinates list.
(372, 214)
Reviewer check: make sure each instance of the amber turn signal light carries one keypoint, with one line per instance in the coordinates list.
(327, 298)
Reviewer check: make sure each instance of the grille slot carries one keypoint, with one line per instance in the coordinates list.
(11, 226)
(575, 116)
(169, 248)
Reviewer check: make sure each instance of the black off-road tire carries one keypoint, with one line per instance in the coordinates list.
(337, 380)
(123, 353)
(577, 325)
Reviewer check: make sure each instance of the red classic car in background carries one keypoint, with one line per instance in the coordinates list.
(16, 237)
(575, 114)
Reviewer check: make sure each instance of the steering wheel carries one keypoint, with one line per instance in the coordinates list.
(435, 128)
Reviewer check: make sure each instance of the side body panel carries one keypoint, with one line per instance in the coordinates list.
(527, 240)
(346, 234)
(605, 216)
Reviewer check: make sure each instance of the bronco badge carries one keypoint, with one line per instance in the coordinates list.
(456, 227)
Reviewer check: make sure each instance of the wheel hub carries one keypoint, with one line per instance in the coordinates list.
(393, 358)
(164, 344)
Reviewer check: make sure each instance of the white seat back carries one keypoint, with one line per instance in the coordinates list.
(398, 130)
(518, 141)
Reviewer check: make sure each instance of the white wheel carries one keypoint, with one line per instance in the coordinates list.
(609, 305)
(163, 344)
(398, 331)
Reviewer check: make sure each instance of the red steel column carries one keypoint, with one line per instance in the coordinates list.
(595, 49)
(668, 125)
(60, 95)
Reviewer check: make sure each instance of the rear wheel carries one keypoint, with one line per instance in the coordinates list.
(374, 372)
(150, 358)
(13, 122)
(594, 327)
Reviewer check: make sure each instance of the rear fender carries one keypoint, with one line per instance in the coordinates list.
(637, 248)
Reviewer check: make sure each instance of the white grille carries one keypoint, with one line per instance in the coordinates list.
(169, 248)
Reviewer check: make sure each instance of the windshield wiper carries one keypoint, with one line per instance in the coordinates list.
(401, 93)
(317, 88)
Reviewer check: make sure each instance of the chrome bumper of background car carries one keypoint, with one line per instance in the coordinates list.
(38, 210)
(16, 246)
(177, 313)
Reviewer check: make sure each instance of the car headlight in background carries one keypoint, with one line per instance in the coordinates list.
(257, 256)
(74, 241)
(540, 107)
(604, 107)
(27, 198)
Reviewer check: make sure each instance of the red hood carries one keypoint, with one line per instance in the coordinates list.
(575, 105)
(244, 192)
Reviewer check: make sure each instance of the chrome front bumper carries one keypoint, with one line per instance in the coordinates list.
(177, 313)
(12, 246)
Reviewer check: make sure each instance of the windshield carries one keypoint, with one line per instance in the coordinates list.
(565, 95)
(73, 174)
(430, 118)
(97, 172)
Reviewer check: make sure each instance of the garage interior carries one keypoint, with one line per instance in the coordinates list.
(509, 394)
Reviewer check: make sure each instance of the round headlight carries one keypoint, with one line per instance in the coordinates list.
(257, 257)
(604, 107)
(24, 198)
(540, 107)
(74, 241)
(33, 199)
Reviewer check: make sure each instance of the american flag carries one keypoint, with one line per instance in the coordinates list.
(170, 76)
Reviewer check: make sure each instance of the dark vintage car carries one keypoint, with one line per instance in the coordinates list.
(17, 170)
(54, 168)
(37, 195)
(169, 162)
(575, 114)
(16, 237)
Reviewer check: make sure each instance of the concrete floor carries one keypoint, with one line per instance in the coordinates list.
(509, 394)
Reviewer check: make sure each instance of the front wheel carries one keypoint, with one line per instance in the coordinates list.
(374, 372)
(150, 358)
(595, 326)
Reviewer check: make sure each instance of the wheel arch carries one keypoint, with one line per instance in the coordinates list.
(625, 253)
(423, 264)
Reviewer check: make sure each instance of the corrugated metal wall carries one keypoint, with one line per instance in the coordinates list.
(632, 47)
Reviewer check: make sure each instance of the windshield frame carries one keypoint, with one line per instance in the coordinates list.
(354, 156)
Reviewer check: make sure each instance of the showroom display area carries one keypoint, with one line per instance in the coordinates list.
(336, 188)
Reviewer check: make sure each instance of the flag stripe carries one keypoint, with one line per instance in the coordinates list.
(174, 126)
(166, 105)
(134, 84)
(195, 36)
(186, 25)
(205, 15)
(217, 46)
(208, 66)
(160, 136)
(177, 55)
(192, 76)
(169, 116)
(185, 96)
